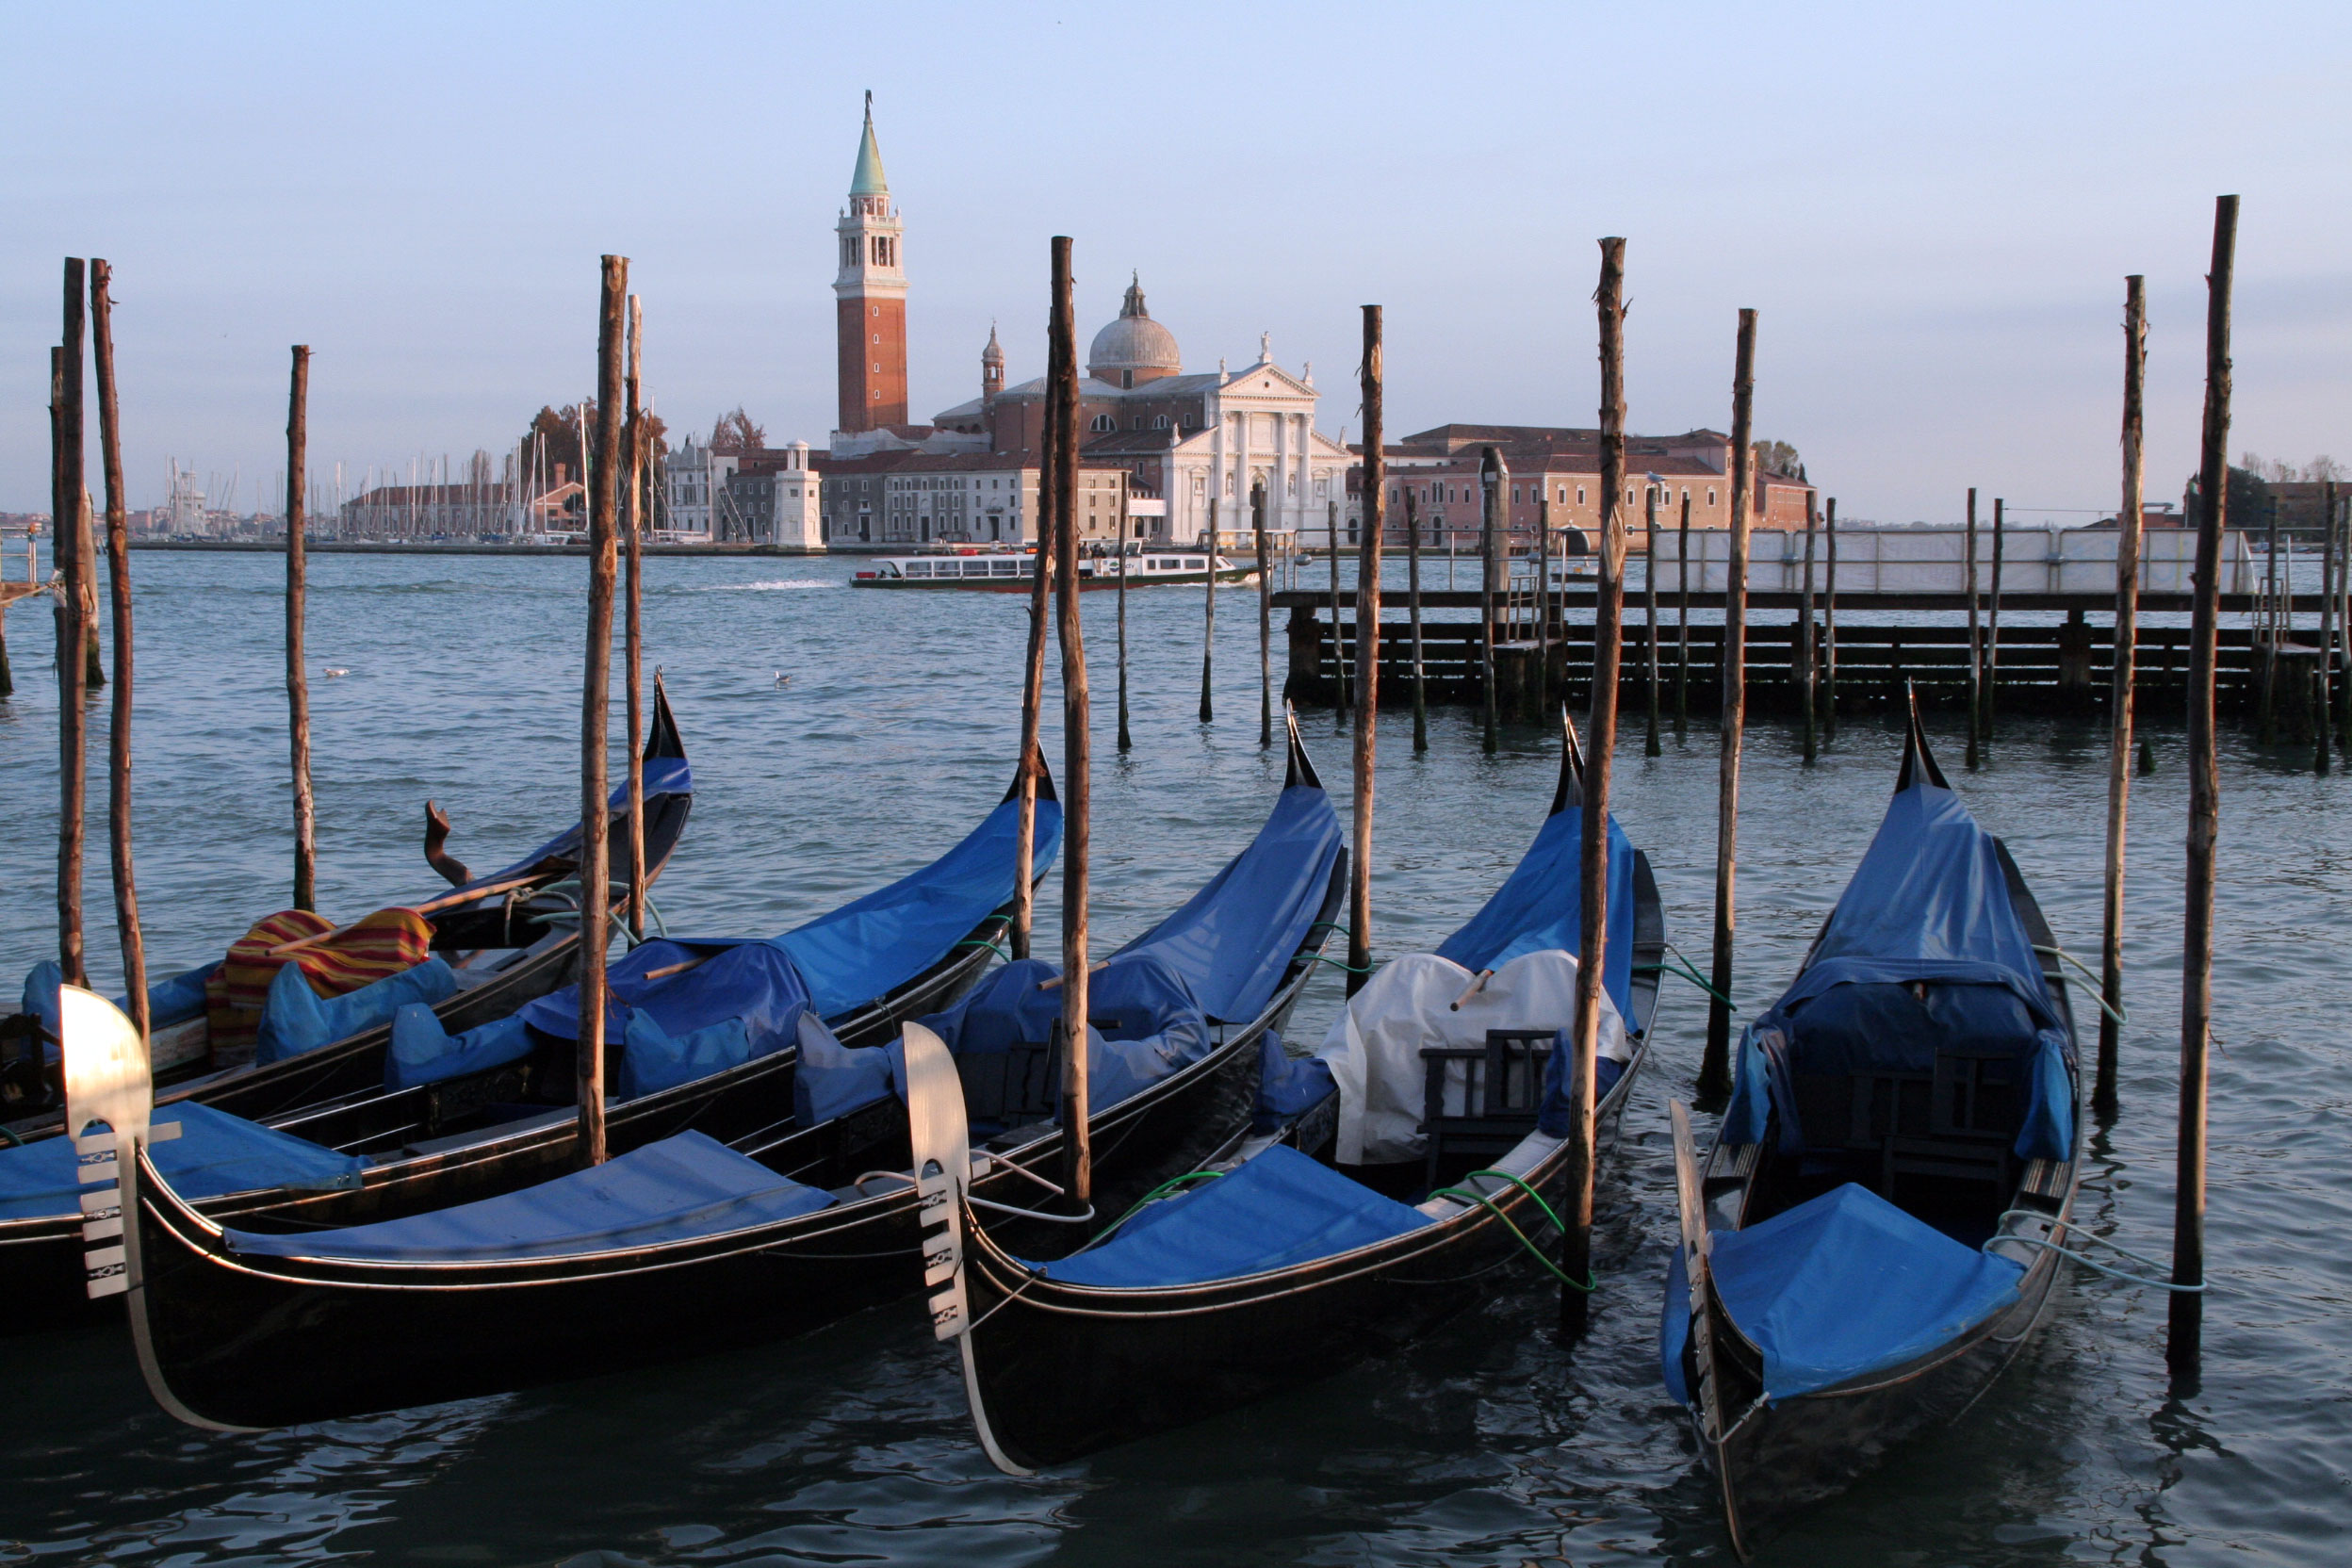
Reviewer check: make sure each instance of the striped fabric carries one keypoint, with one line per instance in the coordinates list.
(381, 944)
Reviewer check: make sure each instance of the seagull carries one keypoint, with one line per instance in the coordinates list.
(783, 679)
(333, 672)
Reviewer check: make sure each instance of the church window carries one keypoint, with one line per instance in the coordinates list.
(1515, 494)
(878, 310)
(1711, 495)
(1139, 421)
(1104, 422)
(1159, 421)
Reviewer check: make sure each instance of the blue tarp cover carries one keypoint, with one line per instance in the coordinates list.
(1837, 1288)
(868, 949)
(1278, 1209)
(742, 1000)
(1287, 1085)
(1541, 906)
(1928, 903)
(295, 1018)
(169, 1002)
(425, 1053)
(215, 1152)
(678, 1189)
(1232, 939)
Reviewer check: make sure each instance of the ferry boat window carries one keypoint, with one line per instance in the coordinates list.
(1004, 568)
(917, 568)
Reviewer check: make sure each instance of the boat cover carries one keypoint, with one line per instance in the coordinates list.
(425, 1053)
(869, 948)
(215, 1152)
(1837, 1288)
(1929, 904)
(1142, 1025)
(678, 1189)
(169, 1002)
(1278, 1209)
(1541, 905)
(1232, 939)
(1288, 1085)
(1374, 1048)
(296, 1019)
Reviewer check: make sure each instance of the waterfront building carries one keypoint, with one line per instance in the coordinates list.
(911, 498)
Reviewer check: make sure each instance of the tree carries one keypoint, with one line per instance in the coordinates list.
(2322, 469)
(1779, 457)
(2249, 496)
(553, 437)
(737, 434)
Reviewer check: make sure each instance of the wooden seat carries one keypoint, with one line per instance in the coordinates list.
(1500, 1089)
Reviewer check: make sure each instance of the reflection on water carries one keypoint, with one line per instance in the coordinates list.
(1486, 1443)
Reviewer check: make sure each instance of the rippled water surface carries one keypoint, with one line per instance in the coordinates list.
(1487, 1442)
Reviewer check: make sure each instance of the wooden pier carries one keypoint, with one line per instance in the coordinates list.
(1885, 642)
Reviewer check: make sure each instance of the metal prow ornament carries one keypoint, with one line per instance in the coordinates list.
(942, 1140)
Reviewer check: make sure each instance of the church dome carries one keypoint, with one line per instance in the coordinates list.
(1133, 347)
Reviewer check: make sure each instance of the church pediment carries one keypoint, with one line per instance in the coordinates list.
(1266, 381)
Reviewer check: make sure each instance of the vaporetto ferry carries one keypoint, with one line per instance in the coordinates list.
(1011, 571)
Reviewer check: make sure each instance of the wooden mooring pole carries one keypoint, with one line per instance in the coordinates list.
(1682, 620)
(1413, 599)
(595, 849)
(1714, 1084)
(1033, 670)
(2321, 667)
(2339, 527)
(1805, 693)
(2267, 724)
(1992, 620)
(2185, 1326)
(1490, 485)
(632, 627)
(2119, 701)
(1077, 746)
(1576, 1261)
(1976, 647)
(1266, 621)
(1829, 620)
(1367, 659)
(1650, 746)
(118, 586)
(66, 501)
(1126, 742)
(1543, 602)
(1208, 634)
(297, 611)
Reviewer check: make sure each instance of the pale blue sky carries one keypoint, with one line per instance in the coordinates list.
(1932, 209)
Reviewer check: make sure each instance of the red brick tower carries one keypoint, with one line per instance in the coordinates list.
(870, 295)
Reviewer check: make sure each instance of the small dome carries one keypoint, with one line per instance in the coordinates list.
(1133, 342)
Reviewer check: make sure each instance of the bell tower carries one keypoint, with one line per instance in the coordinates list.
(870, 297)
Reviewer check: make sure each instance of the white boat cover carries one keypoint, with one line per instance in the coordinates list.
(1374, 1048)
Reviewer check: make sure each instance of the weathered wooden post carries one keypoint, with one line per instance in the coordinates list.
(297, 676)
(1208, 636)
(2120, 699)
(1339, 659)
(1265, 620)
(2186, 1322)
(1576, 1261)
(1992, 620)
(1804, 635)
(1649, 596)
(118, 585)
(2268, 728)
(65, 505)
(1715, 1064)
(1829, 621)
(1367, 658)
(1490, 485)
(1033, 671)
(1682, 619)
(1412, 596)
(1126, 742)
(1542, 601)
(633, 628)
(596, 850)
(2324, 673)
(1077, 750)
(2340, 527)
(1976, 648)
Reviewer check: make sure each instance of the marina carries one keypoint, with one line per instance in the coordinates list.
(1666, 1023)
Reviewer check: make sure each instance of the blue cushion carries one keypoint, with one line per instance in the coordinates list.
(296, 1019)
(424, 1052)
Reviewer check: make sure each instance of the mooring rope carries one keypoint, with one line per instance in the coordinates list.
(2092, 1264)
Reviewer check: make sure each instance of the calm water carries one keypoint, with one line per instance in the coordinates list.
(1485, 1444)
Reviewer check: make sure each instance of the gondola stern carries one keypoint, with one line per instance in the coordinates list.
(1570, 791)
(1298, 768)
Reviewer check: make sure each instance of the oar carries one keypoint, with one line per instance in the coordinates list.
(431, 907)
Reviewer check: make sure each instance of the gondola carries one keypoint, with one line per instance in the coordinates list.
(1868, 1244)
(455, 1118)
(497, 941)
(1274, 1269)
(689, 1243)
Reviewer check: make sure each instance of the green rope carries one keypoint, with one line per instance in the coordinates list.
(1173, 1182)
(1342, 963)
(15, 1142)
(980, 942)
(1592, 1281)
(2099, 984)
(1687, 971)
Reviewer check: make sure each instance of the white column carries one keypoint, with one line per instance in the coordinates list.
(1217, 471)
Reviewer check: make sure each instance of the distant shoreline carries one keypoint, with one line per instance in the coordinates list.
(518, 552)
